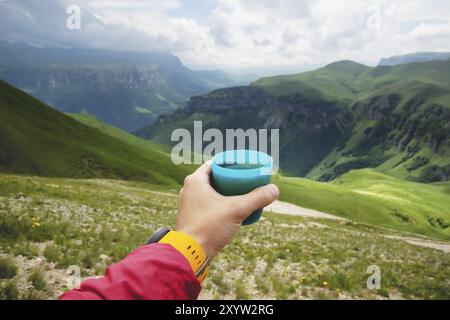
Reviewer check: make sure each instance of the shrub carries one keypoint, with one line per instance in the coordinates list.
(438, 222)
(341, 281)
(51, 253)
(435, 174)
(27, 249)
(241, 293)
(262, 284)
(8, 268)
(222, 286)
(9, 291)
(37, 278)
(417, 163)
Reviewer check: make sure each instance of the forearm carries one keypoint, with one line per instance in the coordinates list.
(151, 272)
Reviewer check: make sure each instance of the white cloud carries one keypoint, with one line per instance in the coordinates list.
(240, 34)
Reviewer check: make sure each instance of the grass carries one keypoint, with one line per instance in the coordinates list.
(36, 139)
(8, 268)
(333, 82)
(37, 278)
(9, 291)
(93, 223)
(371, 197)
(347, 80)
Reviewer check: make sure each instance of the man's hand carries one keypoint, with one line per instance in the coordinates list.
(213, 219)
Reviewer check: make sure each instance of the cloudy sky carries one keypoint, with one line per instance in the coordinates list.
(238, 35)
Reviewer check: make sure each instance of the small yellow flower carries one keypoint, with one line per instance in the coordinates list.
(325, 283)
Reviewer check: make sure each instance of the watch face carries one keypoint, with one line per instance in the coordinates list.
(158, 235)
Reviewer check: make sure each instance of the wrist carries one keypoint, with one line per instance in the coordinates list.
(191, 249)
(200, 239)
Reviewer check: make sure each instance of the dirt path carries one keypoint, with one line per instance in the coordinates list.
(281, 207)
(291, 209)
(443, 246)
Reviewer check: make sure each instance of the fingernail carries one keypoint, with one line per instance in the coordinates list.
(274, 190)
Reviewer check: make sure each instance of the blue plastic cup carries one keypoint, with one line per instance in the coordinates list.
(238, 172)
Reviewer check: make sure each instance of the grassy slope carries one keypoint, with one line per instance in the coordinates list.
(379, 199)
(36, 139)
(371, 197)
(346, 81)
(126, 156)
(145, 146)
(121, 135)
(279, 257)
(434, 72)
(333, 82)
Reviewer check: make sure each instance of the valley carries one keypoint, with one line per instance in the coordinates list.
(77, 194)
(341, 117)
(126, 89)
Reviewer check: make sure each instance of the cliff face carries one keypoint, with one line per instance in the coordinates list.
(310, 119)
(308, 130)
(416, 123)
(128, 97)
(125, 89)
(54, 78)
(401, 127)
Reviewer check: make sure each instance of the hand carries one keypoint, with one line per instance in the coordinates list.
(213, 219)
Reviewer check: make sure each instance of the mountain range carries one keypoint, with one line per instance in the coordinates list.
(340, 117)
(415, 57)
(394, 117)
(126, 89)
(76, 152)
(77, 191)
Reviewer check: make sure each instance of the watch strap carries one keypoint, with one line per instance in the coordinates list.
(158, 235)
(191, 250)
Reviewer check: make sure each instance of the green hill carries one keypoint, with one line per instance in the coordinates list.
(340, 117)
(377, 199)
(333, 82)
(35, 139)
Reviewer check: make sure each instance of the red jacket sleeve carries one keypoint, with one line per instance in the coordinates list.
(152, 272)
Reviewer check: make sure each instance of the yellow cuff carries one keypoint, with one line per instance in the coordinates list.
(191, 250)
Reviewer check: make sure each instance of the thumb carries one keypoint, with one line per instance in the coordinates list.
(259, 198)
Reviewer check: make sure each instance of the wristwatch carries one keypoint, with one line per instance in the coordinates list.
(187, 246)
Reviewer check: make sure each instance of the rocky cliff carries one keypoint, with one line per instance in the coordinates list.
(125, 89)
(379, 118)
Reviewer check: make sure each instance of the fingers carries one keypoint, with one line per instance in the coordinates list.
(259, 198)
(204, 169)
(202, 174)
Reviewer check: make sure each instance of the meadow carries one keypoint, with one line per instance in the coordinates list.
(77, 195)
(368, 196)
(52, 227)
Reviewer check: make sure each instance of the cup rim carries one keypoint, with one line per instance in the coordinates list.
(267, 161)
